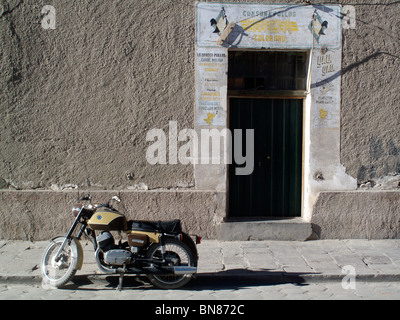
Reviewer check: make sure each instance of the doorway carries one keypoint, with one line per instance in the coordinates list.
(266, 94)
(274, 187)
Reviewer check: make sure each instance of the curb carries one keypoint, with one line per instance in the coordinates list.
(232, 277)
(20, 279)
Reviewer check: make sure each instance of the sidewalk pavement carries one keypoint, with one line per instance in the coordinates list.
(324, 260)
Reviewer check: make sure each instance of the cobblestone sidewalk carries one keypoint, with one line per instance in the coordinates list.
(312, 260)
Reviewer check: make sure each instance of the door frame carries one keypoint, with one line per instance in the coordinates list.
(274, 94)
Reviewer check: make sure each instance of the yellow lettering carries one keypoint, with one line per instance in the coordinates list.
(270, 38)
(273, 26)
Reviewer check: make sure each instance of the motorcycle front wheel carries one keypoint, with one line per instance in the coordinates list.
(177, 253)
(56, 274)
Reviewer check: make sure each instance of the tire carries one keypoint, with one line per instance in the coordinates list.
(181, 254)
(57, 274)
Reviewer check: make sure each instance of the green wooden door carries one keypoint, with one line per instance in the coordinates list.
(274, 187)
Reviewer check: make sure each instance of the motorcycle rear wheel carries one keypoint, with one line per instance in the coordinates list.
(179, 254)
(56, 274)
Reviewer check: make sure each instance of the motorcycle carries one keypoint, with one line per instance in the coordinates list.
(159, 250)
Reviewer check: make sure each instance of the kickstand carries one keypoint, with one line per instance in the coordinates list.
(121, 278)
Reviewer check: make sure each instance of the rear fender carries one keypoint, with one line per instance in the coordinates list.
(190, 243)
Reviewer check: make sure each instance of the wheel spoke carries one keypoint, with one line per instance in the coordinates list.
(57, 273)
(176, 255)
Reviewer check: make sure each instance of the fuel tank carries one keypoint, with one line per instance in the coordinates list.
(105, 219)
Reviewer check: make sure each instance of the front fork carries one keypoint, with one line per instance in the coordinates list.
(68, 237)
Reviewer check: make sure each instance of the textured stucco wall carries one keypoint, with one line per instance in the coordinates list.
(76, 102)
(370, 140)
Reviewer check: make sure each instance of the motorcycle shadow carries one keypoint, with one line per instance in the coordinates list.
(235, 279)
(106, 282)
(232, 279)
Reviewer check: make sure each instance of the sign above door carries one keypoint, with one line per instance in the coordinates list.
(300, 26)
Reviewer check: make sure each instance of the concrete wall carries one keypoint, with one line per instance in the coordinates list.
(358, 214)
(41, 215)
(76, 102)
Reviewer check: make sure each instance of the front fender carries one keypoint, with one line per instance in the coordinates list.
(80, 253)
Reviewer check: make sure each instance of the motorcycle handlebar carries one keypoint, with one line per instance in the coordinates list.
(89, 198)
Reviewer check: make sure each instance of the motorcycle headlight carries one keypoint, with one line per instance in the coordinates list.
(76, 208)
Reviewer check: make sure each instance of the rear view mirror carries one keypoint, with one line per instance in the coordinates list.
(116, 199)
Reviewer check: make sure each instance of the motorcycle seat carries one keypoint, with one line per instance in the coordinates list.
(172, 226)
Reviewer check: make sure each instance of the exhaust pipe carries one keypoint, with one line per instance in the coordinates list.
(184, 270)
(181, 270)
(100, 266)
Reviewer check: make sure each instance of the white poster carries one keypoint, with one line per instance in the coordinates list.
(297, 26)
(211, 86)
(325, 88)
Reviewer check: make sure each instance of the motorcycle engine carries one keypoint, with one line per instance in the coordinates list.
(105, 241)
(118, 257)
(113, 255)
